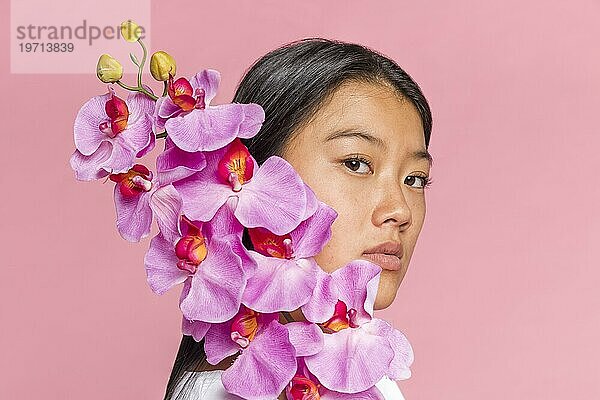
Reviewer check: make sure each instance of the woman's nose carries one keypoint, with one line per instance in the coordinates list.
(391, 207)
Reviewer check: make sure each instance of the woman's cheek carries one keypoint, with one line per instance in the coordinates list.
(343, 246)
(332, 255)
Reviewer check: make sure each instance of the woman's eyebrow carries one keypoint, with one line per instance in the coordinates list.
(356, 133)
(418, 154)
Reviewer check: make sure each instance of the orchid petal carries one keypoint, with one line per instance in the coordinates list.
(139, 105)
(312, 202)
(351, 280)
(174, 164)
(224, 222)
(165, 108)
(121, 158)
(254, 116)
(134, 216)
(161, 266)
(313, 233)
(202, 198)
(217, 286)
(209, 80)
(89, 168)
(274, 199)
(158, 124)
(403, 356)
(225, 226)
(218, 344)
(269, 362)
(149, 147)
(203, 193)
(369, 394)
(346, 363)
(87, 133)
(403, 353)
(166, 204)
(196, 329)
(321, 305)
(138, 134)
(280, 284)
(307, 338)
(249, 265)
(206, 129)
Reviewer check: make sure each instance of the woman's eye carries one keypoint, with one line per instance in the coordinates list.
(424, 181)
(355, 164)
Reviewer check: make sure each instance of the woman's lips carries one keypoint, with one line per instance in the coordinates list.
(385, 261)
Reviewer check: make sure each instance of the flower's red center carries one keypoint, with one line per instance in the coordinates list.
(302, 388)
(133, 182)
(236, 167)
(244, 326)
(183, 94)
(342, 319)
(117, 112)
(190, 249)
(271, 245)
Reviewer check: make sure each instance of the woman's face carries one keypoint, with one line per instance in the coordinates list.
(364, 124)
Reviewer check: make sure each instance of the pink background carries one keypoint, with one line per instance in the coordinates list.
(500, 301)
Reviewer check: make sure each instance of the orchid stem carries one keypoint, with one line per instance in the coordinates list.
(137, 89)
(141, 66)
(165, 89)
(161, 135)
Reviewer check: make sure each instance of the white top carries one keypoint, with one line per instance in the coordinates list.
(209, 386)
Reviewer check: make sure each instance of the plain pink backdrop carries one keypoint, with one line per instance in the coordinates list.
(501, 299)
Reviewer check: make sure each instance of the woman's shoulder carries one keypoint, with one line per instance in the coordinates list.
(207, 385)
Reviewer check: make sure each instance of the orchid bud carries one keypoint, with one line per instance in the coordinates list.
(131, 31)
(108, 69)
(161, 64)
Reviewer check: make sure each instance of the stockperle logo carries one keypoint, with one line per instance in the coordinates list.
(67, 35)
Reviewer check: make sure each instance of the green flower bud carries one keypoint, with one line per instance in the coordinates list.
(108, 69)
(161, 64)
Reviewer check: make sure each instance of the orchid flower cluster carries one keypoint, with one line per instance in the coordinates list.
(204, 191)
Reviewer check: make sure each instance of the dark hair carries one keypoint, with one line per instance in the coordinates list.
(291, 83)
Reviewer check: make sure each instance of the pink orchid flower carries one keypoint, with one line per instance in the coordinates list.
(273, 197)
(135, 188)
(286, 262)
(342, 304)
(174, 164)
(110, 133)
(193, 124)
(305, 386)
(132, 194)
(266, 354)
(208, 258)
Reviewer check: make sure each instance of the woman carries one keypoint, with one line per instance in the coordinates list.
(356, 128)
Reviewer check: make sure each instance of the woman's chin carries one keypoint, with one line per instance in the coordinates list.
(384, 300)
(388, 288)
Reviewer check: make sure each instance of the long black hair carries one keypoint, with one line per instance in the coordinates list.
(291, 83)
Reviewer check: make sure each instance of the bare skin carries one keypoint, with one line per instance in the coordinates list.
(384, 201)
(377, 203)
